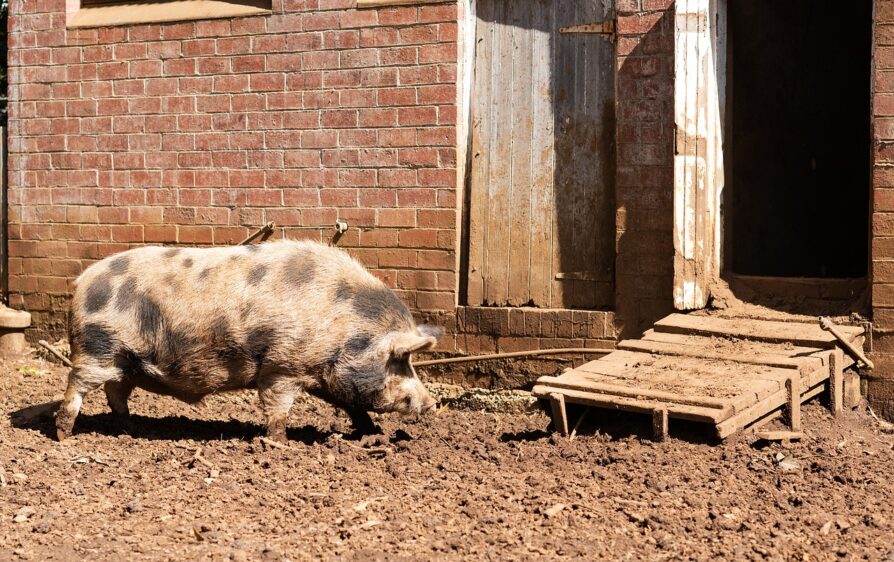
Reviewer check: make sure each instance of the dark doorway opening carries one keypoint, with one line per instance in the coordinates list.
(797, 145)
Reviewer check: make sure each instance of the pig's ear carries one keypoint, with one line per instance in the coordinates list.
(405, 343)
(430, 331)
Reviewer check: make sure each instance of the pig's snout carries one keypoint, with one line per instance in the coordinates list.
(415, 398)
(428, 403)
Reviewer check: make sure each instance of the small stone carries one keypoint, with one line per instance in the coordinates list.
(554, 510)
(788, 465)
(45, 524)
(23, 514)
(134, 506)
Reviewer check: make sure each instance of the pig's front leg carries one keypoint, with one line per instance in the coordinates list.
(277, 394)
(363, 424)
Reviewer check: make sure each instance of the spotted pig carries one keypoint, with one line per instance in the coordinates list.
(282, 317)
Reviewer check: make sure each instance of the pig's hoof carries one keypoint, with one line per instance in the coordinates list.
(277, 433)
(64, 424)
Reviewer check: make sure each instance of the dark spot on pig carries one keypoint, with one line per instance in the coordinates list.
(177, 342)
(367, 382)
(130, 363)
(258, 343)
(246, 311)
(344, 291)
(256, 274)
(252, 248)
(374, 303)
(220, 328)
(148, 317)
(172, 252)
(98, 294)
(119, 265)
(187, 263)
(126, 297)
(97, 340)
(203, 275)
(170, 279)
(222, 341)
(357, 344)
(334, 358)
(300, 272)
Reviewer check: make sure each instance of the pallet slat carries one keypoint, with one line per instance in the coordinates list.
(771, 331)
(771, 360)
(693, 413)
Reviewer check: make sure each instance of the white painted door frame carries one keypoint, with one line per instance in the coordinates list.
(699, 91)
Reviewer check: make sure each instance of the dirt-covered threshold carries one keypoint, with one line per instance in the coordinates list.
(185, 483)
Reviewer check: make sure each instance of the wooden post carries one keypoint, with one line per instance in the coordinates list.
(793, 388)
(560, 416)
(659, 424)
(836, 382)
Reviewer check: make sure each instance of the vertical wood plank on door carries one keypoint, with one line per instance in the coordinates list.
(543, 155)
(480, 152)
(496, 282)
(521, 137)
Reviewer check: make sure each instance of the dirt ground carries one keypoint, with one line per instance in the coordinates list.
(196, 483)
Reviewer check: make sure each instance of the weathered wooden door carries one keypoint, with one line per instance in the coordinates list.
(699, 88)
(541, 199)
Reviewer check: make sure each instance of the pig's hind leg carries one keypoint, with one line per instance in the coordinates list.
(117, 393)
(277, 394)
(81, 380)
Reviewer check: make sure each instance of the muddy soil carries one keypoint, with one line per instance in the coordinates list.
(196, 483)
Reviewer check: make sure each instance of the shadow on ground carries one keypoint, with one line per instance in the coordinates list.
(40, 418)
(618, 426)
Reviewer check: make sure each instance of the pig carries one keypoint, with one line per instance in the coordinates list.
(281, 317)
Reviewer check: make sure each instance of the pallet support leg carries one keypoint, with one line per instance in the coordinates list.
(836, 382)
(793, 389)
(560, 416)
(659, 424)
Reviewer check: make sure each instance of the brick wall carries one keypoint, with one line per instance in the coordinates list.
(881, 382)
(195, 133)
(645, 94)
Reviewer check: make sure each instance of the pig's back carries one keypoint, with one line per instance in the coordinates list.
(198, 320)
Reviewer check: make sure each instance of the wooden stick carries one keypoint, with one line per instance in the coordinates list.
(659, 424)
(780, 435)
(827, 325)
(577, 425)
(793, 390)
(264, 232)
(198, 457)
(836, 382)
(560, 416)
(506, 355)
(56, 354)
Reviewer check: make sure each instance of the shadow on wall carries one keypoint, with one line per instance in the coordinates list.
(542, 166)
(645, 178)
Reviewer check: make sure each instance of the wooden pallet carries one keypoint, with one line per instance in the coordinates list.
(732, 373)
